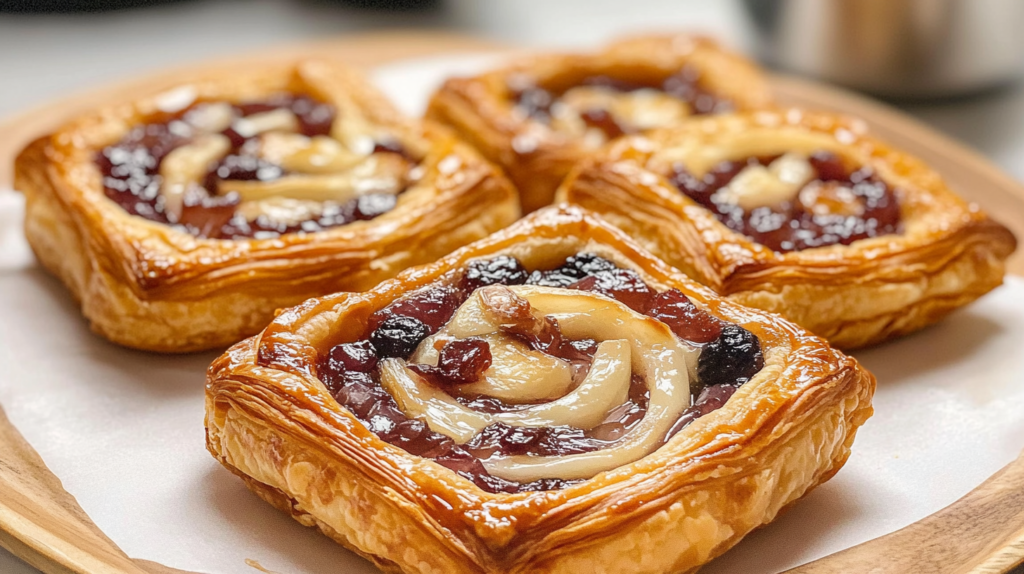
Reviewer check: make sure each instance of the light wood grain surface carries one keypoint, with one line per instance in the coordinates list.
(981, 533)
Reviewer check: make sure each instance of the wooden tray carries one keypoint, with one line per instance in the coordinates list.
(982, 532)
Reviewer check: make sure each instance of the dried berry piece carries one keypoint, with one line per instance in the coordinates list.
(515, 315)
(623, 285)
(575, 268)
(686, 320)
(464, 360)
(731, 359)
(391, 145)
(500, 270)
(398, 336)
(433, 306)
(828, 166)
(589, 263)
(359, 356)
(603, 120)
(460, 362)
(315, 118)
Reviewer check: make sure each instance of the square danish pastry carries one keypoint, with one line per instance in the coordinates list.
(803, 214)
(183, 219)
(538, 117)
(550, 399)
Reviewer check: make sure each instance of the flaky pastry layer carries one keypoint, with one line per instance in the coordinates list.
(272, 422)
(537, 158)
(949, 253)
(147, 285)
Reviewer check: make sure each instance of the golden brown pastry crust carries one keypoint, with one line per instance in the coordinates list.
(949, 254)
(538, 158)
(271, 421)
(146, 285)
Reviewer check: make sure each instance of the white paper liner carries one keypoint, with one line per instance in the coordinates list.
(123, 429)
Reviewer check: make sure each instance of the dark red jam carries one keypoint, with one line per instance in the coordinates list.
(838, 207)
(730, 356)
(536, 102)
(131, 174)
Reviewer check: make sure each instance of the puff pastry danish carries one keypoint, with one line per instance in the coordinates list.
(803, 214)
(181, 221)
(538, 117)
(550, 399)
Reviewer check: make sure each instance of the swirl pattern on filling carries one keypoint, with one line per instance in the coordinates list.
(600, 108)
(523, 381)
(287, 164)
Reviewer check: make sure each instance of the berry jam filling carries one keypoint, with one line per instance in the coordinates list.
(838, 206)
(132, 178)
(537, 102)
(730, 356)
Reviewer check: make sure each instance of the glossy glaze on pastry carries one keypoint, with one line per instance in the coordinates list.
(803, 214)
(538, 117)
(323, 417)
(183, 219)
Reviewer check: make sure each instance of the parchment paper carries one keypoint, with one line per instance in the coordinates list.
(123, 429)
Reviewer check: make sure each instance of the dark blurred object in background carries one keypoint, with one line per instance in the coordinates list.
(895, 48)
(396, 5)
(66, 6)
(69, 6)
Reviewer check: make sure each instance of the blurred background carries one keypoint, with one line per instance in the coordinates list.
(954, 64)
(957, 60)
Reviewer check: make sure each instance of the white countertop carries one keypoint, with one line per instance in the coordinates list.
(46, 56)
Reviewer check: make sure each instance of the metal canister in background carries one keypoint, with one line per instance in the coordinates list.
(895, 48)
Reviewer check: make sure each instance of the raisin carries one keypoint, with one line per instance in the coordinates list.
(686, 320)
(398, 336)
(828, 166)
(315, 118)
(623, 285)
(731, 359)
(603, 120)
(575, 268)
(500, 270)
(433, 306)
(464, 360)
(390, 146)
(359, 356)
(460, 362)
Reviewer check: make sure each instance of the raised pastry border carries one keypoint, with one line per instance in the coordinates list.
(787, 430)
(950, 253)
(146, 285)
(537, 158)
